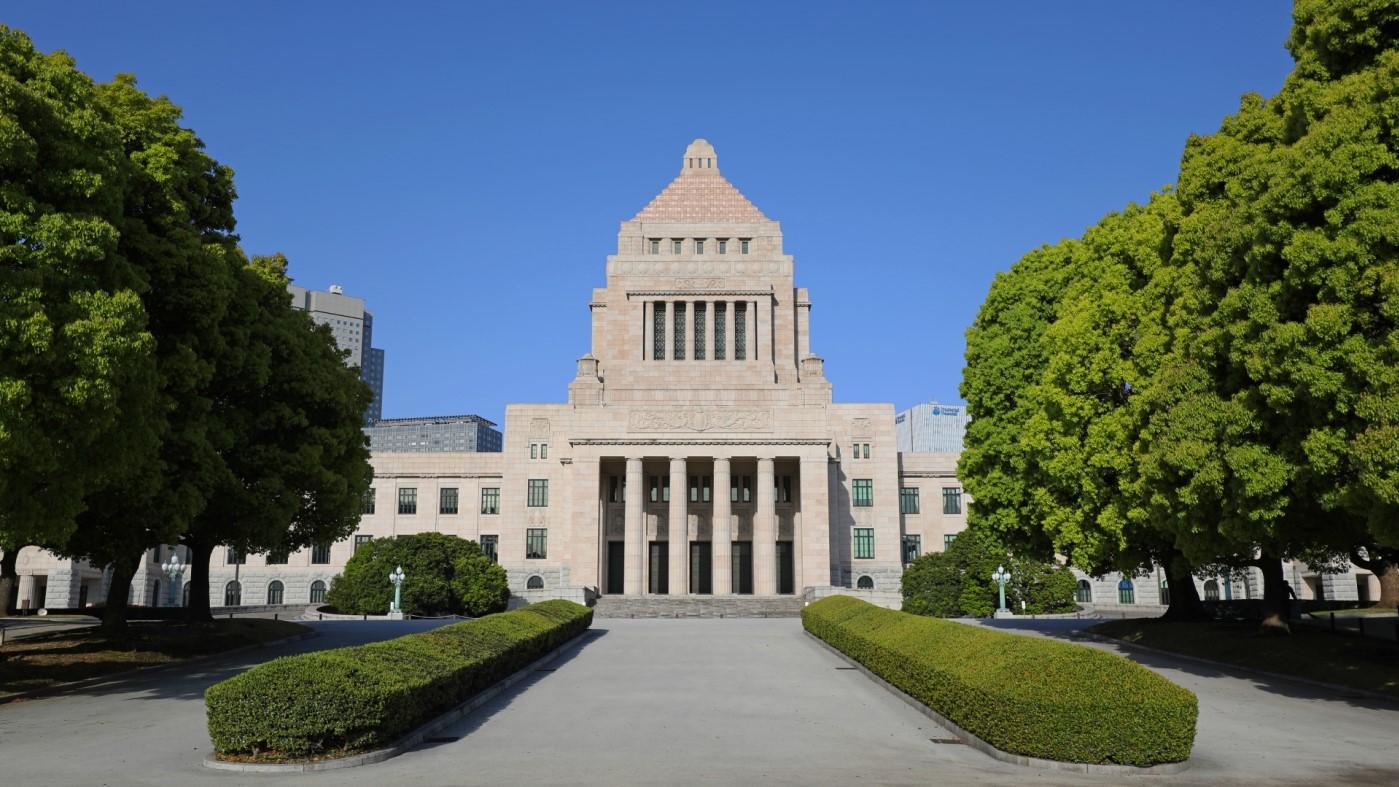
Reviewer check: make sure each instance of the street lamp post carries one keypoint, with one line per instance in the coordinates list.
(1001, 577)
(174, 569)
(397, 577)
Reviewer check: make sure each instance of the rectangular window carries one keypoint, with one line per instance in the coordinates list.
(655, 245)
(490, 500)
(740, 331)
(658, 331)
(361, 541)
(447, 504)
(947, 541)
(908, 500)
(538, 493)
(694, 489)
(742, 245)
(723, 247)
(867, 450)
(782, 489)
(543, 450)
(277, 557)
(700, 313)
(855, 452)
(536, 543)
(864, 543)
(408, 500)
(699, 246)
(614, 494)
(679, 354)
(952, 500)
(913, 547)
(675, 246)
(720, 312)
(534, 450)
(747, 489)
(235, 557)
(320, 554)
(864, 492)
(368, 507)
(490, 545)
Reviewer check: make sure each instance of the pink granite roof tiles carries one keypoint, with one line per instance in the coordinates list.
(700, 196)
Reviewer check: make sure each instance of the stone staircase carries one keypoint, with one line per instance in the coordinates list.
(698, 607)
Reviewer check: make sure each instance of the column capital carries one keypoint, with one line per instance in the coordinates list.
(680, 459)
(634, 462)
(765, 463)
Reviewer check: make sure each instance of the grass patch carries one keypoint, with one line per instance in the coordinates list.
(62, 657)
(1353, 661)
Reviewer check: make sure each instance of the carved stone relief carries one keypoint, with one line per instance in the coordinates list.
(704, 419)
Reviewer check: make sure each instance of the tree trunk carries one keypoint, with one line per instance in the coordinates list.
(118, 594)
(1389, 586)
(1384, 565)
(1185, 598)
(1276, 601)
(9, 578)
(200, 553)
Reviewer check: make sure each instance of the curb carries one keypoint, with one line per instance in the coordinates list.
(135, 671)
(408, 741)
(1225, 666)
(1164, 769)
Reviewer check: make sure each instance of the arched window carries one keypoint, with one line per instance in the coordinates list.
(274, 592)
(1211, 590)
(318, 592)
(232, 594)
(1084, 592)
(535, 582)
(865, 583)
(1126, 593)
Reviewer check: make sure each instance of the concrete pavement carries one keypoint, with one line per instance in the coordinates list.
(684, 702)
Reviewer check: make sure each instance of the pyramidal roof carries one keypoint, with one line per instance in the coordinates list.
(700, 195)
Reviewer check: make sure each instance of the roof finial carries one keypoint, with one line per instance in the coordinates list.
(700, 156)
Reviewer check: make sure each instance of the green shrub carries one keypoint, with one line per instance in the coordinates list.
(365, 697)
(957, 581)
(1025, 695)
(447, 575)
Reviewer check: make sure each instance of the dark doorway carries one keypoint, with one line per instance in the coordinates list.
(616, 564)
(701, 567)
(743, 567)
(660, 568)
(786, 568)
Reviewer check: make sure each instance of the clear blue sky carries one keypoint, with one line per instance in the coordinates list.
(464, 166)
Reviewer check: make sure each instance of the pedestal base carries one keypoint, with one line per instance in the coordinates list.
(1003, 613)
(397, 616)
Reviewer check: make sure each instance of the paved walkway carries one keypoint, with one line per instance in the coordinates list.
(686, 702)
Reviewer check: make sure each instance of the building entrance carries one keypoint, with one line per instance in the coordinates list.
(660, 568)
(786, 568)
(743, 567)
(701, 567)
(616, 564)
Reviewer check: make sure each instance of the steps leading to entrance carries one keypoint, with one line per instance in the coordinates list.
(698, 607)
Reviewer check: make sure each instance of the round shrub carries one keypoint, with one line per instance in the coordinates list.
(957, 581)
(446, 575)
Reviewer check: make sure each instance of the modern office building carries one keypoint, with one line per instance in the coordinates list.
(353, 328)
(931, 428)
(436, 434)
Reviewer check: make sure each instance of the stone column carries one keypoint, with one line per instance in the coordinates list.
(765, 533)
(679, 547)
(816, 522)
(632, 528)
(720, 534)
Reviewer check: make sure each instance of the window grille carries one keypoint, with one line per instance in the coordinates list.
(538, 493)
(679, 332)
(864, 492)
(740, 331)
(720, 312)
(864, 543)
(448, 502)
(658, 331)
(536, 543)
(700, 314)
(952, 500)
(490, 500)
(908, 500)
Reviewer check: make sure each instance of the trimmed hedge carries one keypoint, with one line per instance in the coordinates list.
(1025, 695)
(365, 697)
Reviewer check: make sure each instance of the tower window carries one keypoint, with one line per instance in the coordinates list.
(699, 246)
(723, 246)
(720, 312)
(675, 246)
(740, 331)
(679, 354)
(658, 331)
(655, 245)
(700, 314)
(742, 245)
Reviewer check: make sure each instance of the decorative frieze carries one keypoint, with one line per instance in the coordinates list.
(700, 419)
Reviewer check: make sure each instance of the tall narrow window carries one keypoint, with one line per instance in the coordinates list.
(320, 554)
(368, 507)
(720, 312)
(864, 543)
(408, 500)
(447, 502)
(490, 545)
(743, 246)
(536, 543)
(913, 547)
(740, 331)
(951, 500)
(538, 493)
(675, 246)
(723, 246)
(679, 332)
(908, 500)
(655, 245)
(700, 314)
(318, 592)
(490, 500)
(699, 245)
(864, 492)
(658, 331)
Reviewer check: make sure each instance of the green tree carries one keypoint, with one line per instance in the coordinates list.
(446, 575)
(287, 424)
(76, 371)
(958, 581)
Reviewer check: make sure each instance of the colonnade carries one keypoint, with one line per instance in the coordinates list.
(722, 329)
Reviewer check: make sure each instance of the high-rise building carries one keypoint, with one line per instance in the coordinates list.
(434, 434)
(931, 428)
(353, 328)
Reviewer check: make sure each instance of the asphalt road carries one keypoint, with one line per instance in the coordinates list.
(686, 702)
